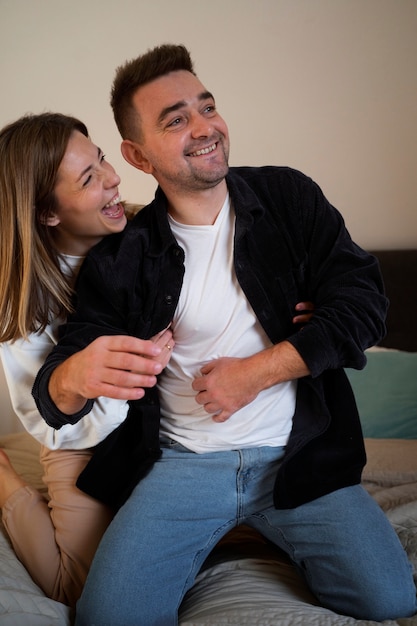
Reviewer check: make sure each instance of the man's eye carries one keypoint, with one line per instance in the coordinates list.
(87, 181)
(175, 122)
(102, 158)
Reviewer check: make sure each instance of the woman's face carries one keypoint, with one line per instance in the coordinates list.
(87, 197)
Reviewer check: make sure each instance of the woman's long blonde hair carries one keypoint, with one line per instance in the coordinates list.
(33, 289)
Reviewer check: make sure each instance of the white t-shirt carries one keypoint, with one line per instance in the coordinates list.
(22, 360)
(214, 319)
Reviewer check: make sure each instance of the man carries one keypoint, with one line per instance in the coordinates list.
(258, 422)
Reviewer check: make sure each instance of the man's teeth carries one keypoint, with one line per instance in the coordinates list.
(204, 151)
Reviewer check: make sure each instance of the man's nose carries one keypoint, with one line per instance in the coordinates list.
(201, 126)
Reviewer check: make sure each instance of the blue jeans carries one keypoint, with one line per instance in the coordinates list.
(342, 543)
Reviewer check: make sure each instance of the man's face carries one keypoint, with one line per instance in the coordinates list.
(184, 139)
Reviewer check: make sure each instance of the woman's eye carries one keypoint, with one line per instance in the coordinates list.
(87, 181)
(102, 158)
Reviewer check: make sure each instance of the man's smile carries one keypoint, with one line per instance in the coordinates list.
(203, 150)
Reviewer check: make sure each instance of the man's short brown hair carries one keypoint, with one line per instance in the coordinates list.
(133, 74)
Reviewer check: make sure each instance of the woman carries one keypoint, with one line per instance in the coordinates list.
(58, 197)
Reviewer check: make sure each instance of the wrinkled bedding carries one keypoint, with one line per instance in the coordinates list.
(245, 582)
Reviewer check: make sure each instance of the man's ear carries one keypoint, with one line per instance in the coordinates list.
(133, 154)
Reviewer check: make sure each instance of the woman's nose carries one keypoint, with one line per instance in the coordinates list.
(112, 179)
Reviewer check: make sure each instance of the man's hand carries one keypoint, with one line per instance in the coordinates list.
(228, 384)
(223, 388)
(118, 367)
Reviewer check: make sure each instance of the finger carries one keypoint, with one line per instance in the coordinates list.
(199, 384)
(136, 363)
(302, 319)
(133, 345)
(164, 338)
(118, 385)
(212, 408)
(166, 353)
(128, 379)
(158, 335)
(223, 416)
(206, 368)
(121, 393)
(304, 306)
(201, 398)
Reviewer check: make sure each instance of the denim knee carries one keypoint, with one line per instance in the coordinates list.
(376, 601)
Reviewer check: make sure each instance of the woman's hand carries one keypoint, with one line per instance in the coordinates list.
(117, 366)
(304, 312)
(165, 341)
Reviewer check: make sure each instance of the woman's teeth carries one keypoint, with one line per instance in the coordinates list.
(115, 200)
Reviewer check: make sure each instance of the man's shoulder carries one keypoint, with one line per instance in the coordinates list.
(116, 246)
(281, 173)
(277, 184)
(107, 246)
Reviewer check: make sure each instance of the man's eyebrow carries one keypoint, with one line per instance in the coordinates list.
(89, 167)
(205, 95)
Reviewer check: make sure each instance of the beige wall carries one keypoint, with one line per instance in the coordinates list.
(325, 86)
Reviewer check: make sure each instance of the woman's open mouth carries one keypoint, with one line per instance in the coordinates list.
(114, 209)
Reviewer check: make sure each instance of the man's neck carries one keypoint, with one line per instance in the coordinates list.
(198, 208)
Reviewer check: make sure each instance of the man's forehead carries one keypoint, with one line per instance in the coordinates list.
(171, 91)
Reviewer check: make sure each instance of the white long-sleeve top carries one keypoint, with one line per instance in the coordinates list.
(21, 362)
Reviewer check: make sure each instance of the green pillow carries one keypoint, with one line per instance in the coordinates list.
(386, 394)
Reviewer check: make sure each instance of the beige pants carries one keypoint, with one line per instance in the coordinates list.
(56, 541)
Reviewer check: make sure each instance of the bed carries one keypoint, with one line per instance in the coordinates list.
(246, 581)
